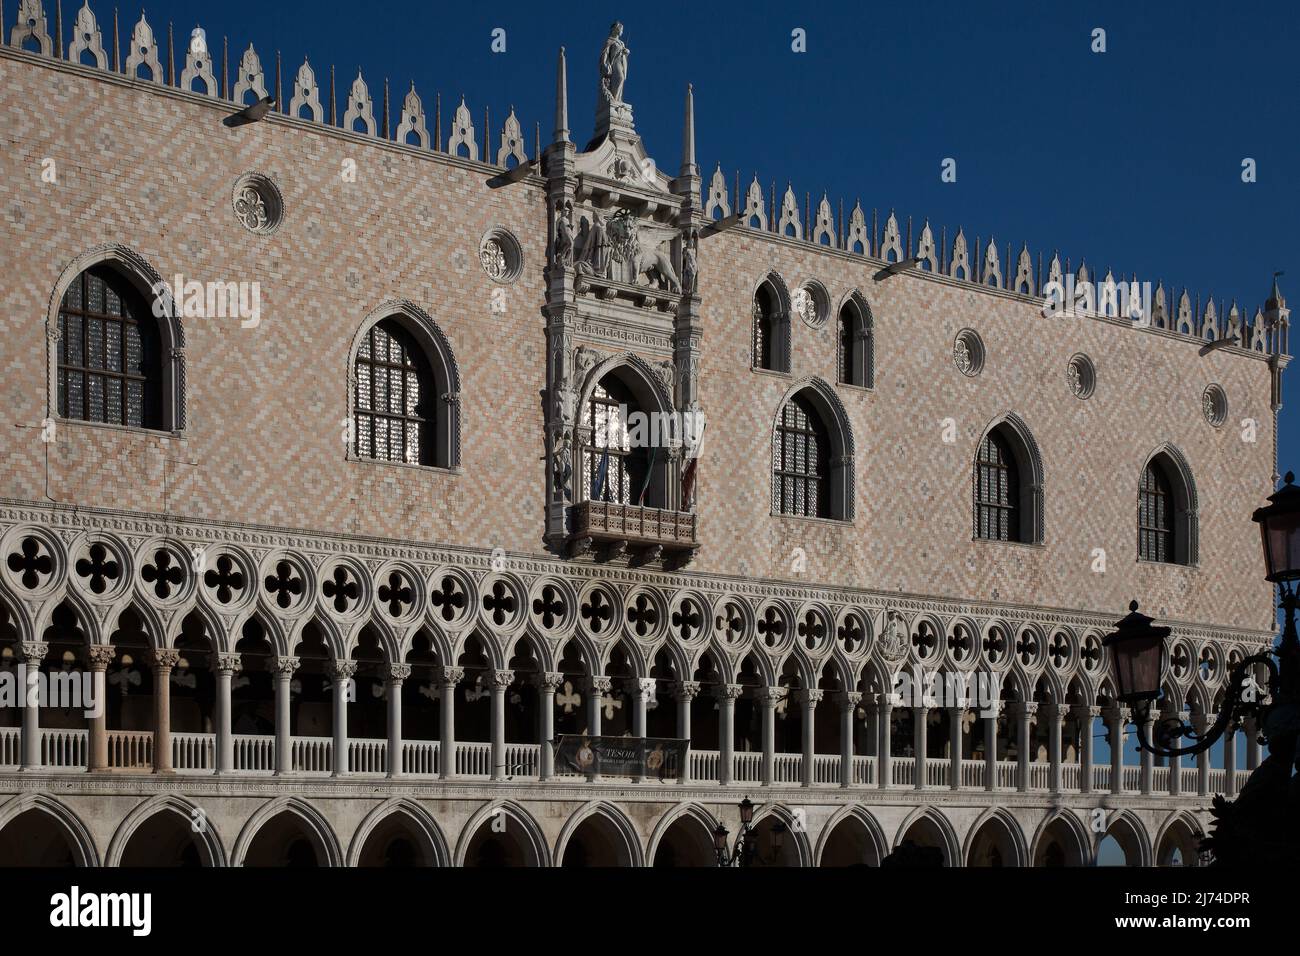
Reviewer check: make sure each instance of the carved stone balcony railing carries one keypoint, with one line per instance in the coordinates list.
(131, 752)
(641, 535)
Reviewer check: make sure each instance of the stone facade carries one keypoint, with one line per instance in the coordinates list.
(255, 466)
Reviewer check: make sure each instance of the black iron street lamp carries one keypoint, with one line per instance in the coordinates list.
(745, 850)
(1140, 651)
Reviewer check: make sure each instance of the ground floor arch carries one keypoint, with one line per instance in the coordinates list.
(684, 838)
(1061, 842)
(502, 835)
(36, 830)
(852, 838)
(600, 836)
(289, 834)
(995, 841)
(1178, 843)
(398, 834)
(926, 830)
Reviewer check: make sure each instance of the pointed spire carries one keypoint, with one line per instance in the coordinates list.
(437, 123)
(384, 126)
(171, 56)
(1275, 299)
(58, 30)
(279, 97)
(334, 121)
(689, 168)
(225, 67)
(561, 134)
(117, 44)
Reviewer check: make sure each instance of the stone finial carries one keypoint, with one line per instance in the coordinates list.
(717, 200)
(144, 52)
(754, 207)
(462, 132)
(1184, 324)
(512, 141)
(1024, 282)
(306, 93)
(1108, 297)
(824, 226)
(251, 77)
(856, 239)
(413, 120)
(360, 107)
(1210, 322)
(960, 261)
(891, 241)
(86, 35)
(789, 221)
(31, 25)
(198, 64)
(992, 265)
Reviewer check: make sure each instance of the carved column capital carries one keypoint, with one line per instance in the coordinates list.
(687, 689)
(32, 652)
(285, 666)
(643, 686)
(550, 681)
(810, 697)
(449, 676)
(397, 673)
(600, 685)
(502, 679)
(769, 695)
(848, 699)
(342, 670)
(164, 658)
(730, 691)
(100, 656)
(227, 663)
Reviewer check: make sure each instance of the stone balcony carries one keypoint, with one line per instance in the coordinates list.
(639, 536)
(66, 751)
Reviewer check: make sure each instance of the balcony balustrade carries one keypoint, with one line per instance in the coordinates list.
(642, 535)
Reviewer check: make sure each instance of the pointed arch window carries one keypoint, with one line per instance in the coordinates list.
(856, 346)
(621, 464)
(395, 411)
(801, 462)
(1166, 510)
(771, 330)
(110, 366)
(1155, 515)
(997, 491)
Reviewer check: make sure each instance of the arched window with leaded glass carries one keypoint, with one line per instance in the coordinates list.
(997, 491)
(1007, 484)
(801, 462)
(395, 420)
(405, 392)
(1155, 515)
(1167, 529)
(110, 367)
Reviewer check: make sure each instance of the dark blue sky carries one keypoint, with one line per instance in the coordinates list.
(1131, 158)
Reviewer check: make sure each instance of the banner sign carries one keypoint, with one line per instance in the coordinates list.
(620, 756)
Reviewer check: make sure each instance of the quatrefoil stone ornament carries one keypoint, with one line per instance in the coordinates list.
(32, 563)
(225, 580)
(165, 574)
(98, 569)
(341, 590)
